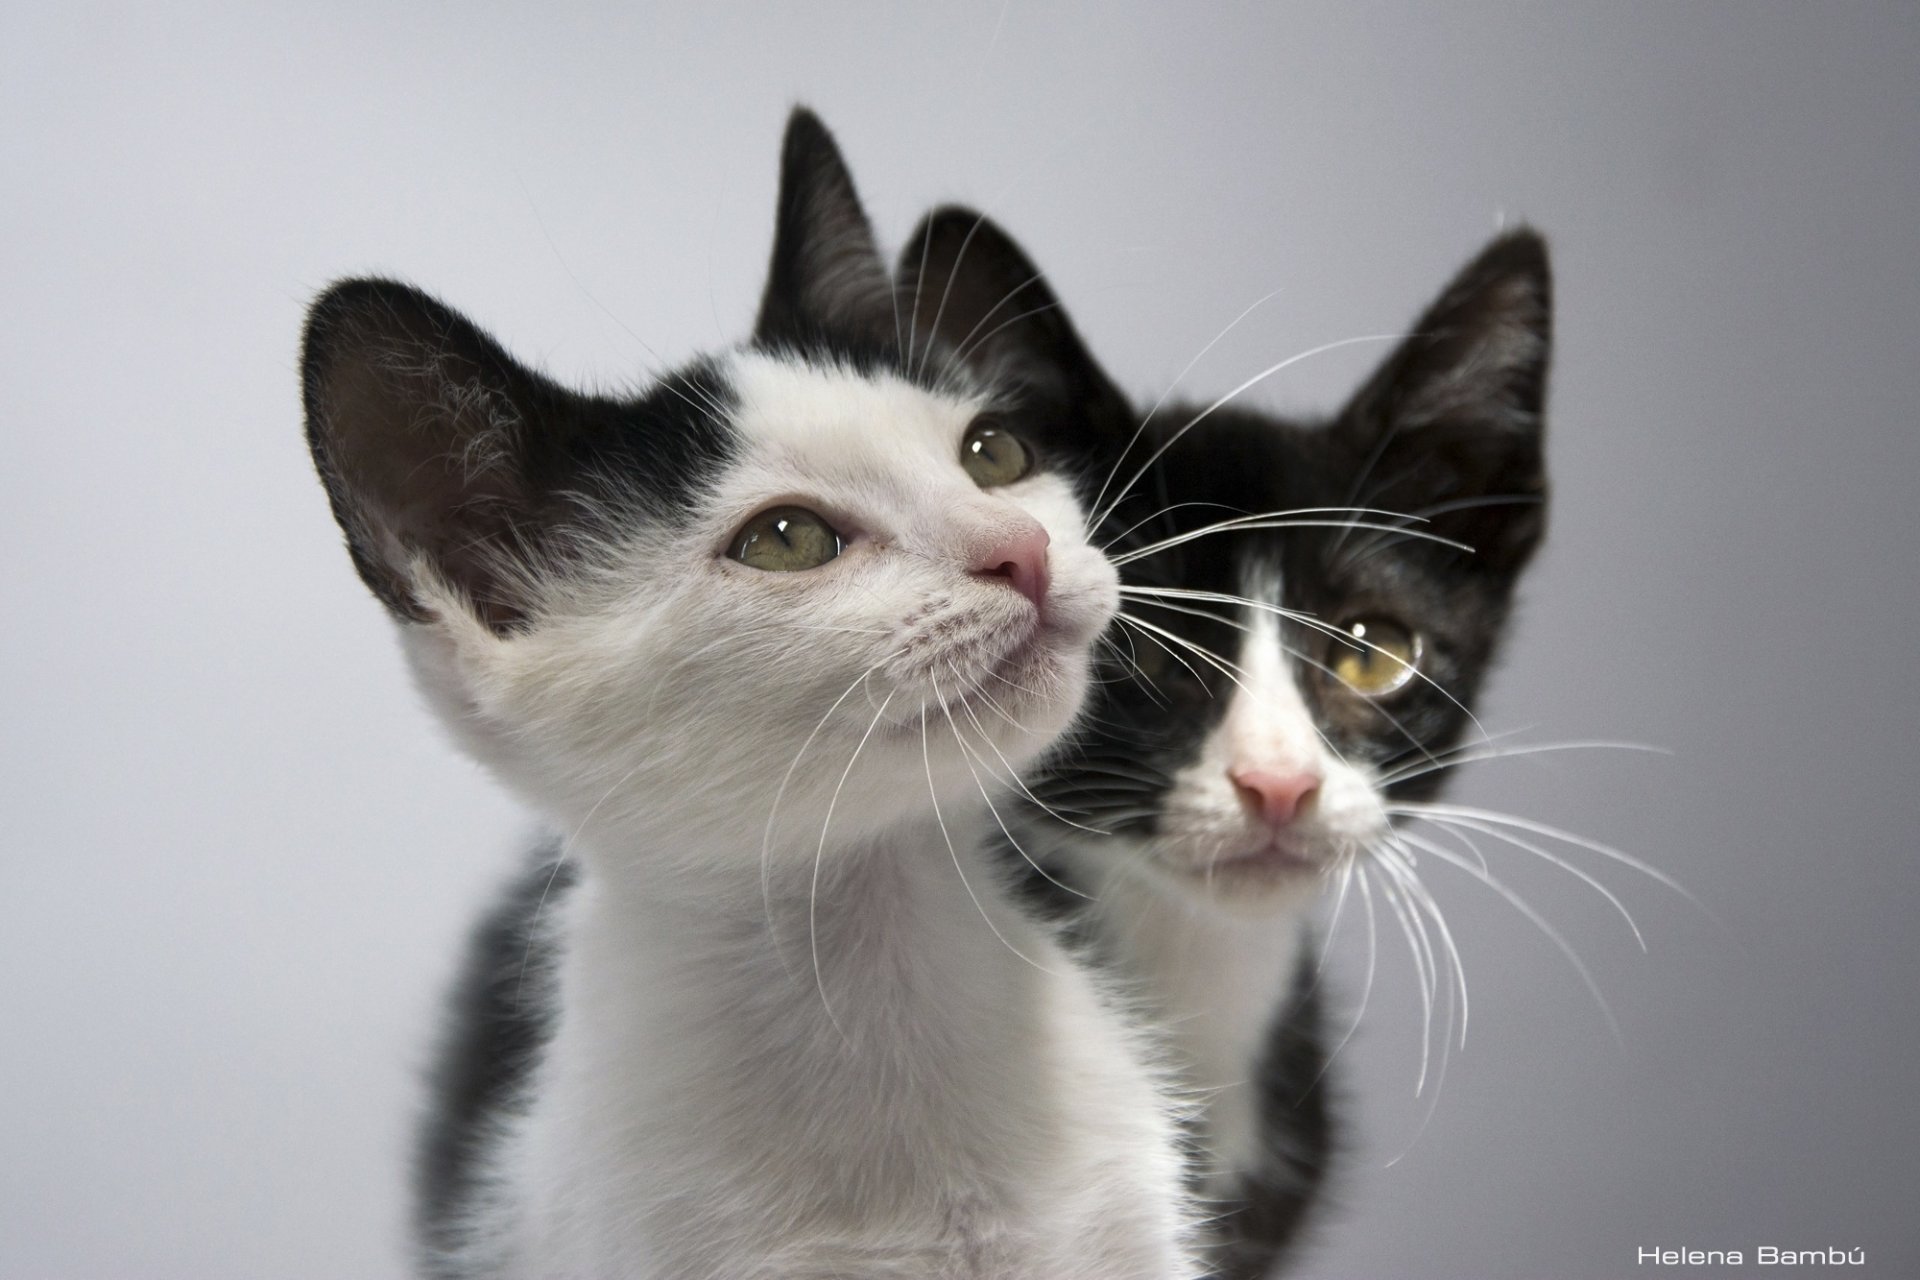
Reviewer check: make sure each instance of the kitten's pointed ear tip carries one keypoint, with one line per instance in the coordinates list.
(345, 304)
(808, 141)
(954, 224)
(1517, 255)
(356, 315)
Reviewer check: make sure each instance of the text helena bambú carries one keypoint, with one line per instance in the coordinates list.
(1764, 1256)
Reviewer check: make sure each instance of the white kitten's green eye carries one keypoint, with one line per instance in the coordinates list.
(784, 540)
(1379, 660)
(992, 455)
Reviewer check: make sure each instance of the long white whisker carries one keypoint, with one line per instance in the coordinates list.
(1220, 664)
(1232, 526)
(1134, 439)
(948, 837)
(1402, 871)
(1401, 858)
(1200, 417)
(1517, 842)
(1555, 833)
(1333, 924)
(773, 811)
(1007, 831)
(993, 808)
(1425, 972)
(819, 854)
(1366, 992)
(1109, 544)
(1473, 753)
(1524, 908)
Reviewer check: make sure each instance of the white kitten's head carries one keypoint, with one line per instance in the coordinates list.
(820, 577)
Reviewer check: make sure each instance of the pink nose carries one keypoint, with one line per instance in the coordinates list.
(1021, 561)
(1274, 794)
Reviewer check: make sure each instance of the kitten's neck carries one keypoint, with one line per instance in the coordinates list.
(838, 944)
(915, 1068)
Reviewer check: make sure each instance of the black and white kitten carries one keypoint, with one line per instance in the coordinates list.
(1309, 609)
(748, 640)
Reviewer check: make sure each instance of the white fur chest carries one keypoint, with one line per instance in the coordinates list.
(929, 1103)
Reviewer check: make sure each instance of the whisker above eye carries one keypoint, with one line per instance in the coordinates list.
(1228, 669)
(1291, 520)
(1310, 621)
(1134, 439)
(1100, 516)
(1109, 544)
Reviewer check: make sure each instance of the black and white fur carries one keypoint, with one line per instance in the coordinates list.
(1247, 541)
(766, 1009)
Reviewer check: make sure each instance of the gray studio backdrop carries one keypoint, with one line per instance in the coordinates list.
(239, 857)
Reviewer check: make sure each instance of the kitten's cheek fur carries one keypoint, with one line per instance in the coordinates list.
(1086, 586)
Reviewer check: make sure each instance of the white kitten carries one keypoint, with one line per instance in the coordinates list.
(757, 642)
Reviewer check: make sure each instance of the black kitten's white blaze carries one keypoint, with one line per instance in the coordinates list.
(1267, 805)
(747, 641)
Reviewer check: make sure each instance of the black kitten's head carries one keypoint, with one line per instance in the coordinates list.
(1310, 608)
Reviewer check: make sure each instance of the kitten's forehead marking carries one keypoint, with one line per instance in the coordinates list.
(794, 409)
(1267, 721)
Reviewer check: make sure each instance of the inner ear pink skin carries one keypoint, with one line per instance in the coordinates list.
(1275, 796)
(1021, 560)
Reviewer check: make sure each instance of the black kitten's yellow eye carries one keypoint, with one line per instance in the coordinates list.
(785, 539)
(1380, 658)
(992, 455)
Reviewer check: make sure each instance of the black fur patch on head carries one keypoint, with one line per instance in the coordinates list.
(433, 441)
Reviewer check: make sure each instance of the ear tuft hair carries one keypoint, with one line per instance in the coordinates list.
(420, 426)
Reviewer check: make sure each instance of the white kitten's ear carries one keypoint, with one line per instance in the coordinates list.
(973, 295)
(826, 279)
(428, 438)
(1452, 423)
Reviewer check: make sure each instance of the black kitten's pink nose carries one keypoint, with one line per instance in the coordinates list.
(1021, 560)
(1275, 795)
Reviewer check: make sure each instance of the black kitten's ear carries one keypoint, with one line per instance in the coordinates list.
(827, 276)
(422, 429)
(967, 288)
(1453, 422)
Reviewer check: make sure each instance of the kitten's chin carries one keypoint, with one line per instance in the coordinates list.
(1264, 878)
(1021, 701)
